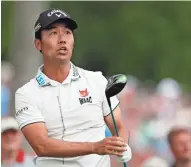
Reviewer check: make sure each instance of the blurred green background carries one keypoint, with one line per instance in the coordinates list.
(150, 40)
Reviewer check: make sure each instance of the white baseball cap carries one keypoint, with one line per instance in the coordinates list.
(169, 88)
(8, 123)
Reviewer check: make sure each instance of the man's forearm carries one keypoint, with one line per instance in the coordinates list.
(59, 148)
(121, 131)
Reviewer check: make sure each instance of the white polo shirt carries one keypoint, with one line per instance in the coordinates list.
(72, 111)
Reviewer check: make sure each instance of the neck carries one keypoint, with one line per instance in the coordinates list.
(8, 157)
(57, 73)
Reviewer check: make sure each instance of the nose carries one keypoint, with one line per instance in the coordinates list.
(62, 38)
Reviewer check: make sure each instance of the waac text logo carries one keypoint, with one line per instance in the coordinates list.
(84, 97)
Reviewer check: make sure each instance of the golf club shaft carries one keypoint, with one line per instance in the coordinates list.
(114, 122)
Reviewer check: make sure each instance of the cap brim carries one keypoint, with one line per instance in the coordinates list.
(68, 21)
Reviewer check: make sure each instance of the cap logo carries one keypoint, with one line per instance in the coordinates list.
(57, 13)
(37, 27)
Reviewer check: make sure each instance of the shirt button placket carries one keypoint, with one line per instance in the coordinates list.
(59, 98)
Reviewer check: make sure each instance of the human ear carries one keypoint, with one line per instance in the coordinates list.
(37, 44)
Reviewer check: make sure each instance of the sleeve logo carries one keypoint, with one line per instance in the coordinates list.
(21, 110)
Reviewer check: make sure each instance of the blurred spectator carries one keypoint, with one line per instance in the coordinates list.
(128, 94)
(12, 154)
(7, 74)
(180, 143)
(154, 162)
(169, 92)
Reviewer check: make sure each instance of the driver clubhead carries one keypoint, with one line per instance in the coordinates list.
(115, 85)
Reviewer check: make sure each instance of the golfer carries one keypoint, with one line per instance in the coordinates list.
(63, 110)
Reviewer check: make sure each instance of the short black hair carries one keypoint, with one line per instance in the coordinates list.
(38, 35)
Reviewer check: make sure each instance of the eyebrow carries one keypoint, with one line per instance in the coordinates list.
(54, 27)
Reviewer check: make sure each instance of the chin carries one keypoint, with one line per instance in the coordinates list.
(62, 58)
(62, 61)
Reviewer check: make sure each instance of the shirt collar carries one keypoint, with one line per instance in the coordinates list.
(43, 80)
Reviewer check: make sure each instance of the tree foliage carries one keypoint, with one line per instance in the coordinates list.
(7, 12)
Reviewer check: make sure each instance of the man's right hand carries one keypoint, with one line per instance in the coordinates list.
(111, 145)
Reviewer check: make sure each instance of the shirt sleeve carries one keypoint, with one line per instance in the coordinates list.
(114, 100)
(26, 110)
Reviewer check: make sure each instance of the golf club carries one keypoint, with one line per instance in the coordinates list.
(114, 86)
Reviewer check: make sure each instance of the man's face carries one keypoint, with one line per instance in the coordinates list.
(57, 43)
(11, 140)
(181, 146)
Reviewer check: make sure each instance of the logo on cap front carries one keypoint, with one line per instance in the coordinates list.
(58, 13)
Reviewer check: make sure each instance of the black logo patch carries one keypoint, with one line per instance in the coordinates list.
(85, 100)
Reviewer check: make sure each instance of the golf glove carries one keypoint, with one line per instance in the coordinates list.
(127, 155)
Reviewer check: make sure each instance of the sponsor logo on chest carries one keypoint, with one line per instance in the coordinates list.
(84, 96)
